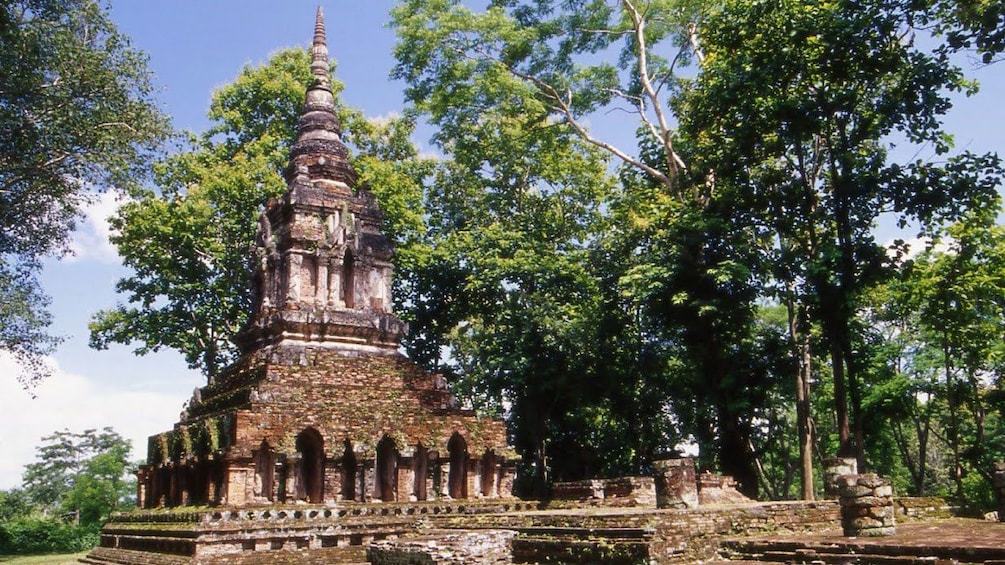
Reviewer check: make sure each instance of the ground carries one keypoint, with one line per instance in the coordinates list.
(60, 559)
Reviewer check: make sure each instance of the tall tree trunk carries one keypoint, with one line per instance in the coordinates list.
(804, 415)
(800, 343)
(845, 447)
(855, 396)
(953, 433)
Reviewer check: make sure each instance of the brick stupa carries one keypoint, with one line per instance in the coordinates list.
(322, 407)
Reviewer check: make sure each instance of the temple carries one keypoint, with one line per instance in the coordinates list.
(322, 406)
(324, 444)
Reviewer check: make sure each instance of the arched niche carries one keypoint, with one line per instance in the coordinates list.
(265, 471)
(458, 448)
(348, 472)
(310, 470)
(349, 279)
(385, 485)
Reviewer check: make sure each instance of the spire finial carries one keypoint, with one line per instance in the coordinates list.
(318, 148)
(319, 50)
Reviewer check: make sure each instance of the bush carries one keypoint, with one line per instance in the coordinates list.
(38, 535)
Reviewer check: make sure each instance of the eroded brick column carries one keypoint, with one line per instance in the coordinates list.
(866, 505)
(835, 467)
(141, 487)
(676, 486)
(507, 473)
(999, 485)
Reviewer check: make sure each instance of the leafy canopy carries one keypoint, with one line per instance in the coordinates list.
(88, 473)
(76, 115)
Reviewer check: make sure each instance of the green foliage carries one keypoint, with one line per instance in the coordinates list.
(793, 111)
(76, 115)
(592, 351)
(189, 243)
(15, 503)
(503, 280)
(563, 63)
(26, 536)
(973, 25)
(87, 474)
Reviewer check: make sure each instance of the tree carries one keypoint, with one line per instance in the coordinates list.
(570, 64)
(189, 242)
(563, 53)
(505, 281)
(14, 503)
(85, 473)
(977, 25)
(958, 297)
(76, 115)
(104, 485)
(799, 137)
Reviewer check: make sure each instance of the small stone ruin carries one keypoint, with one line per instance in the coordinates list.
(866, 505)
(676, 486)
(834, 468)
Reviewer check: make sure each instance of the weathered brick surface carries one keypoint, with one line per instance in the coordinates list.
(619, 491)
(676, 484)
(718, 489)
(834, 467)
(866, 505)
(448, 548)
(349, 400)
(271, 534)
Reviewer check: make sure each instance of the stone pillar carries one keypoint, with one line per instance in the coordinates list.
(184, 496)
(676, 486)
(834, 467)
(332, 481)
(474, 481)
(507, 473)
(334, 267)
(866, 505)
(369, 480)
(295, 262)
(141, 487)
(321, 291)
(433, 475)
(445, 480)
(405, 483)
(999, 485)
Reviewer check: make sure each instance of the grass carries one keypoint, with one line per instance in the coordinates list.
(58, 559)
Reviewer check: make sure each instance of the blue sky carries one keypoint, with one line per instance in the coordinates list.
(195, 47)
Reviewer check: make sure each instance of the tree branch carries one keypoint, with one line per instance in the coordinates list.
(663, 133)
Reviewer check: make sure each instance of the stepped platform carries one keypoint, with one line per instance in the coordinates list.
(955, 540)
(788, 532)
(275, 534)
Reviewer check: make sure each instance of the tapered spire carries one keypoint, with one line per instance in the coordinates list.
(319, 49)
(318, 150)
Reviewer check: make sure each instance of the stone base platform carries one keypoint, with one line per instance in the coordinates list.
(958, 541)
(534, 532)
(273, 534)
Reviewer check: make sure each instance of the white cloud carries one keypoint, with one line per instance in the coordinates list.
(917, 245)
(69, 401)
(90, 240)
